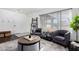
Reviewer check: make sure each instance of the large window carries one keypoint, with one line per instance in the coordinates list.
(57, 20)
(65, 19)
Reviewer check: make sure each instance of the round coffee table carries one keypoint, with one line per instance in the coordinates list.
(26, 42)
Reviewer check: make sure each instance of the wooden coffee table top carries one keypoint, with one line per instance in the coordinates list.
(24, 41)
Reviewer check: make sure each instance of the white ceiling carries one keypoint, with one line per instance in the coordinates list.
(24, 10)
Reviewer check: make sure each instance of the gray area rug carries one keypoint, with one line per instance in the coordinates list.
(51, 46)
(45, 46)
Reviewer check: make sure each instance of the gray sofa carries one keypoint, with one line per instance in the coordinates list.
(62, 37)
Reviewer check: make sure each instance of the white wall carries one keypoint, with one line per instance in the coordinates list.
(18, 22)
(13, 21)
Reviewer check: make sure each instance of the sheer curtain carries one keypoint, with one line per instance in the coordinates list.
(66, 17)
(56, 20)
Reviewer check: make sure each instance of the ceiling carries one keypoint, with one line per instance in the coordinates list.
(24, 10)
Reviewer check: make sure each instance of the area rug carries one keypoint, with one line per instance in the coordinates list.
(45, 46)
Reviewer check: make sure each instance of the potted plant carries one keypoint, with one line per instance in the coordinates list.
(74, 24)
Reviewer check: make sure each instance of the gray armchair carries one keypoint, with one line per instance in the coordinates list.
(62, 37)
(38, 32)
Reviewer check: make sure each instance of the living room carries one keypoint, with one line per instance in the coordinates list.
(16, 23)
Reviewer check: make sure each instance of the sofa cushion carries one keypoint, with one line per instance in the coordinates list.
(59, 38)
(62, 32)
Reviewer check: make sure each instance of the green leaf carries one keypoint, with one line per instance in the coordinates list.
(74, 24)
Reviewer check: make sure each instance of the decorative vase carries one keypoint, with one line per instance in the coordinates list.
(29, 36)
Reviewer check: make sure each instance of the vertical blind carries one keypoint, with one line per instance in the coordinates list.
(56, 20)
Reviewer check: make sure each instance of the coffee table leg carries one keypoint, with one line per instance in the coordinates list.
(21, 47)
(39, 45)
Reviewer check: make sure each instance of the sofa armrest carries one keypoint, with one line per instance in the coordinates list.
(67, 36)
